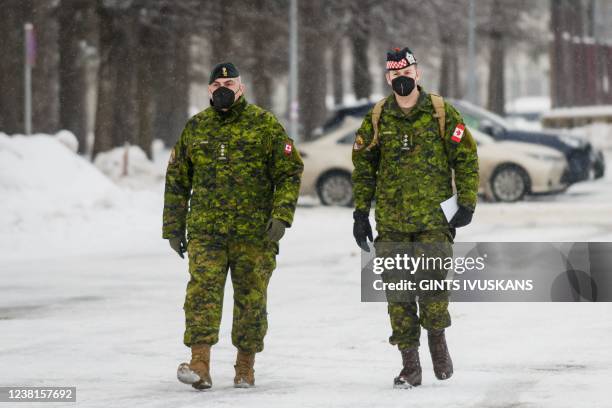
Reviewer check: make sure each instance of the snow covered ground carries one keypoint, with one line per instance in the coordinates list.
(91, 296)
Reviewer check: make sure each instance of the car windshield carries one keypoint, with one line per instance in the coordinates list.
(474, 115)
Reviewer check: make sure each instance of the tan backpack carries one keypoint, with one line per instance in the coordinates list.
(440, 114)
(438, 104)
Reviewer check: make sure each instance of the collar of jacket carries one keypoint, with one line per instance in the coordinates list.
(423, 104)
(234, 111)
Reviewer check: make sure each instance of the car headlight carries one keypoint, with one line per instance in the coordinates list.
(546, 157)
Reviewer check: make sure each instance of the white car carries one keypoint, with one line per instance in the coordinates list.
(508, 169)
(328, 164)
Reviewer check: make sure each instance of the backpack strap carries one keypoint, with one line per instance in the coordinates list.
(376, 112)
(438, 104)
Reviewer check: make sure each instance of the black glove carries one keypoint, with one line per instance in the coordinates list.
(179, 245)
(462, 217)
(362, 230)
(275, 229)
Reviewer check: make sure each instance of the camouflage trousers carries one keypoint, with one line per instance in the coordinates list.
(251, 266)
(430, 310)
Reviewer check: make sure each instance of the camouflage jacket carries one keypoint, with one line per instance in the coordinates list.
(408, 172)
(229, 173)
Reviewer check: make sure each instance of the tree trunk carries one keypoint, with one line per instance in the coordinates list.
(496, 96)
(362, 81)
(337, 77)
(125, 115)
(45, 96)
(261, 84)
(145, 92)
(181, 86)
(12, 18)
(260, 69)
(456, 89)
(221, 35)
(312, 73)
(445, 68)
(172, 91)
(565, 23)
(107, 81)
(72, 80)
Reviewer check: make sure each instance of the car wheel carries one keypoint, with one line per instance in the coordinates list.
(509, 183)
(335, 188)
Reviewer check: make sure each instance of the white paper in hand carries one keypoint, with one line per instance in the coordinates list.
(450, 207)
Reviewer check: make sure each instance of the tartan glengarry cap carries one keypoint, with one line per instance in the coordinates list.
(400, 58)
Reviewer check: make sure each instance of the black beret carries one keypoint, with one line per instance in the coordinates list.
(223, 70)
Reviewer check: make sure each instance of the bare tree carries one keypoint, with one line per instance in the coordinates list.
(73, 27)
(14, 14)
(109, 33)
(45, 90)
(402, 23)
(143, 80)
(566, 26)
(360, 39)
(496, 89)
(266, 55)
(503, 29)
(450, 19)
(313, 76)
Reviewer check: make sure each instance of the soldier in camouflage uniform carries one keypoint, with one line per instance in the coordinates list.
(406, 165)
(232, 185)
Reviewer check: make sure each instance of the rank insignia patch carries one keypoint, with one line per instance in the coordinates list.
(358, 145)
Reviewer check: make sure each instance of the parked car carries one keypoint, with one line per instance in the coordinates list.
(509, 170)
(584, 161)
(328, 164)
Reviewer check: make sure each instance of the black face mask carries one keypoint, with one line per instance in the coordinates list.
(223, 98)
(403, 85)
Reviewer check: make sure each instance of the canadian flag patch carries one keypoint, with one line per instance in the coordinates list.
(458, 133)
(288, 149)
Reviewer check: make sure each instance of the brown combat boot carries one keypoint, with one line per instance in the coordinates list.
(245, 374)
(197, 372)
(411, 374)
(442, 363)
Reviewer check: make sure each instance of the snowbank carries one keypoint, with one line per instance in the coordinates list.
(56, 201)
(599, 134)
(40, 174)
(130, 166)
(68, 139)
(591, 112)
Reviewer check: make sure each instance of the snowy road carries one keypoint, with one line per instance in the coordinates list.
(90, 296)
(112, 327)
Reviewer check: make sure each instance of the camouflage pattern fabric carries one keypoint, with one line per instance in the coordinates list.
(251, 266)
(431, 309)
(229, 173)
(409, 171)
